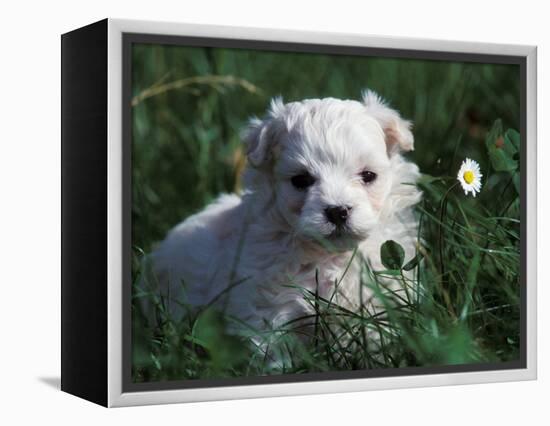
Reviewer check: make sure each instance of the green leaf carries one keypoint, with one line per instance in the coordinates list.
(210, 331)
(209, 328)
(388, 272)
(411, 264)
(517, 182)
(502, 148)
(425, 179)
(513, 137)
(392, 255)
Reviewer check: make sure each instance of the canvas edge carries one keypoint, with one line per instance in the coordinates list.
(531, 176)
(116, 397)
(83, 207)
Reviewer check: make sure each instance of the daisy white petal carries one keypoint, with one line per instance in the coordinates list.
(470, 176)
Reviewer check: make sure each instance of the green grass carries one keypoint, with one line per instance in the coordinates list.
(462, 301)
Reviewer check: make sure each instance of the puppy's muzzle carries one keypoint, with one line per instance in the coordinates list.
(337, 215)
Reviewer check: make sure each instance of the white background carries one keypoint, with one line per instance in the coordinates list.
(30, 209)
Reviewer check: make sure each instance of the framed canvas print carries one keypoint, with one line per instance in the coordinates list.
(252, 213)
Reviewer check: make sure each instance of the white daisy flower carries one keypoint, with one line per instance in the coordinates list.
(470, 176)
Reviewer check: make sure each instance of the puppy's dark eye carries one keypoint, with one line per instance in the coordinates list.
(368, 176)
(302, 181)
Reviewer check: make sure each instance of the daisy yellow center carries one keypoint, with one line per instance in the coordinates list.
(469, 176)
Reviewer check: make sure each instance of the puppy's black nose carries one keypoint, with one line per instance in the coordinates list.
(337, 214)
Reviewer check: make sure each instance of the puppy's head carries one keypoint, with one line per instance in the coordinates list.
(328, 164)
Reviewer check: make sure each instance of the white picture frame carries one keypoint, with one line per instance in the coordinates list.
(115, 393)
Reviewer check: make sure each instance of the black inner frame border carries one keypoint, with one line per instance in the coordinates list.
(129, 39)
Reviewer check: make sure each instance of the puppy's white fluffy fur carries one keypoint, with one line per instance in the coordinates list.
(244, 253)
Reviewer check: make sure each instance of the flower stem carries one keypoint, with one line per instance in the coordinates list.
(443, 210)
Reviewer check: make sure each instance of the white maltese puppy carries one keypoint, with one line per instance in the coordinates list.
(325, 177)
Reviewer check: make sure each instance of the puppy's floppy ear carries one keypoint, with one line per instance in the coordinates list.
(257, 141)
(261, 135)
(397, 130)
